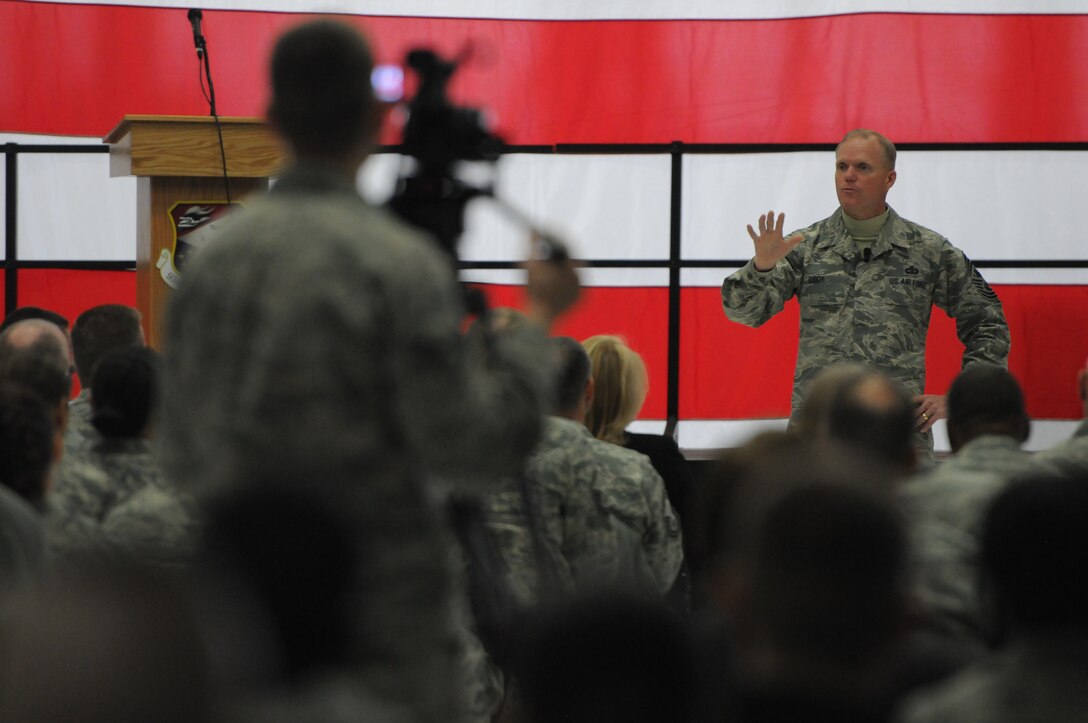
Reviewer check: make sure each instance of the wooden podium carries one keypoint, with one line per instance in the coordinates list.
(177, 163)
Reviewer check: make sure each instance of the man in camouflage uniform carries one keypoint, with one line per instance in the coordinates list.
(316, 342)
(867, 280)
(945, 507)
(34, 356)
(1033, 552)
(97, 331)
(601, 516)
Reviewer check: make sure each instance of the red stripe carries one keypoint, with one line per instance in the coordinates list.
(727, 371)
(919, 78)
(731, 371)
(640, 314)
(70, 292)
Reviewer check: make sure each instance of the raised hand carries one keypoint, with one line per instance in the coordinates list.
(770, 246)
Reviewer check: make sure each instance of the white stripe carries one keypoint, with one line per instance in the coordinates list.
(1042, 277)
(996, 205)
(702, 438)
(1011, 205)
(41, 139)
(70, 209)
(602, 207)
(620, 9)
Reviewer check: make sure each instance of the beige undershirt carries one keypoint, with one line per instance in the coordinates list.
(865, 232)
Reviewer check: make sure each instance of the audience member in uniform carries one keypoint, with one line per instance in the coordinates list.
(1034, 553)
(97, 331)
(24, 313)
(627, 488)
(34, 355)
(987, 424)
(318, 340)
(811, 582)
(874, 414)
(276, 573)
(811, 419)
(27, 454)
(620, 386)
(139, 513)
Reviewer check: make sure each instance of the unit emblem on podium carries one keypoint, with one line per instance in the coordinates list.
(194, 224)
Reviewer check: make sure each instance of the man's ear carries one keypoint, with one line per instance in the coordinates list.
(590, 391)
(891, 180)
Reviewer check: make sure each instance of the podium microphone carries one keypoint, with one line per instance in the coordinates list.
(195, 16)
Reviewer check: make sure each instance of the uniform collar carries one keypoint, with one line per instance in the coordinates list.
(312, 177)
(840, 241)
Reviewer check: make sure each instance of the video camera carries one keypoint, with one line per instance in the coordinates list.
(438, 135)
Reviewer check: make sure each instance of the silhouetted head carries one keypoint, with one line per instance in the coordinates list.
(322, 99)
(986, 399)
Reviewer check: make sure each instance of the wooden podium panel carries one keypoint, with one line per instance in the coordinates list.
(155, 196)
(177, 160)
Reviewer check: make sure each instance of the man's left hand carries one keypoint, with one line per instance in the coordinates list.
(929, 408)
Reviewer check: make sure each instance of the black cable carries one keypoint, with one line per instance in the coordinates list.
(209, 95)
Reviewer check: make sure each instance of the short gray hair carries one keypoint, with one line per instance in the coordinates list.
(885, 144)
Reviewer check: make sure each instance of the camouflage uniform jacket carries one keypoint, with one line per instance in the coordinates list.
(605, 518)
(112, 499)
(876, 312)
(73, 514)
(945, 510)
(80, 434)
(575, 539)
(633, 494)
(317, 341)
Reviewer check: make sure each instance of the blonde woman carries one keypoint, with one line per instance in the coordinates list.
(620, 385)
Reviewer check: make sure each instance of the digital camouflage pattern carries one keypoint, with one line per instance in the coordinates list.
(945, 510)
(74, 509)
(80, 433)
(112, 499)
(633, 495)
(575, 538)
(157, 525)
(876, 312)
(317, 342)
(604, 515)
